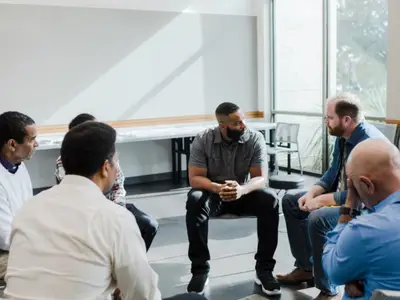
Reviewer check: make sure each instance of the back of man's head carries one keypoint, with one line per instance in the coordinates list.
(79, 119)
(86, 148)
(348, 104)
(12, 126)
(374, 167)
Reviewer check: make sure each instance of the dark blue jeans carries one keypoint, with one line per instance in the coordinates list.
(307, 236)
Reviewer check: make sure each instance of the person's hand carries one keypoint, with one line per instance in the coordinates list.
(217, 188)
(302, 201)
(231, 191)
(353, 198)
(312, 204)
(354, 289)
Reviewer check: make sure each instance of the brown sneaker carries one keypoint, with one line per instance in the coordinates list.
(323, 296)
(297, 276)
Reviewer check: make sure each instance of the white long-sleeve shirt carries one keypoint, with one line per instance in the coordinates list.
(71, 242)
(15, 190)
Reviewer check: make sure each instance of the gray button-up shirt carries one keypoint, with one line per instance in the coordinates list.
(228, 161)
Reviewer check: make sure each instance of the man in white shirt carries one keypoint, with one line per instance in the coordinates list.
(70, 241)
(18, 142)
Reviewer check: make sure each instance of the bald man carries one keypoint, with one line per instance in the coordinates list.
(363, 249)
(309, 216)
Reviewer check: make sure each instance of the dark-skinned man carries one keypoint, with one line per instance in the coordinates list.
(221, 162)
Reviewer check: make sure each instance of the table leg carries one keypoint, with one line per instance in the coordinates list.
(272, 158)
(179, 153)
(174, 153)
(187, 142)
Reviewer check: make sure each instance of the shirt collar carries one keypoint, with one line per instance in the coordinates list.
(80, 181)
(218, 137)
(393, 198)
(9, 166)
(356, 135)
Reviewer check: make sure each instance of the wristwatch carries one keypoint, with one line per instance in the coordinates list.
(348, 211)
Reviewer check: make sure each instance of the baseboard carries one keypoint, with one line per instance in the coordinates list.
(135, 180)
(296, 171)
(151, 178)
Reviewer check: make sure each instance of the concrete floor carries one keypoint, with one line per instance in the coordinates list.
(232, 244)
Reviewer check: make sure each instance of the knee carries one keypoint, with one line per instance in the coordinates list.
(152, 225)
(267, 199)
(196, 199)
(317, 219)
(290, 204)
(147, 224)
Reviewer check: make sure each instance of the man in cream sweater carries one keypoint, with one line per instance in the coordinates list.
(17, 142)
(71, 242)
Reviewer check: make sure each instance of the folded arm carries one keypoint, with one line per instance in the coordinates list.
(258, 167)
(344, 258)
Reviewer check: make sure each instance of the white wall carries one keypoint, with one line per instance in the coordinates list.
(393, 89)
(126, 60)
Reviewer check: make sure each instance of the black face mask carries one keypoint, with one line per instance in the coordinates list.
(233, 134)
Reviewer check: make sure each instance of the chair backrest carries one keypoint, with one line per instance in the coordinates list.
(385, 295)
(286, 133)
(389, 130)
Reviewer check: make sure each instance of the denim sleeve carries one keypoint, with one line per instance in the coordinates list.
(340, 197)
(329, 176)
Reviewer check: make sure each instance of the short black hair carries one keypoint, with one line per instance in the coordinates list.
(348, 104)
(79, 119)
(86, 147)
(12, 126)
(226, 108)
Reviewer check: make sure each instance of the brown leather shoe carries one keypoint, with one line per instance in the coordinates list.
(297, 276)
(323, 296)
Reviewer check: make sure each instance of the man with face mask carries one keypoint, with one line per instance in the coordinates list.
(221, 160)
(309, 216)
(362, 252)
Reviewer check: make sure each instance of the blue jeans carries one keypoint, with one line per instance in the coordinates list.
(307, 236)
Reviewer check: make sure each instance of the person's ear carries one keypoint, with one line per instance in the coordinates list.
(367, 185)
(12, 145)
(105, 168)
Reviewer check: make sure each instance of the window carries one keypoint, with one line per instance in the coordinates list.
(310, 143)
(361, 56)
(298, 55)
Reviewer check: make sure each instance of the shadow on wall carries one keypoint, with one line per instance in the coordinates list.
(120, 64)
(55, 53)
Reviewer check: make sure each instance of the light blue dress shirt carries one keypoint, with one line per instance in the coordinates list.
(367, 248)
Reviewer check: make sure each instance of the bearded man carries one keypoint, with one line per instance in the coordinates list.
(310, 215)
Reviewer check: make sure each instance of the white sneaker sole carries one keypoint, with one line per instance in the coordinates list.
(269, 293)
(201, 292)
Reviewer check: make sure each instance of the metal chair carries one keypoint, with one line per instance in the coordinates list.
(389, 130)
(286, 141)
